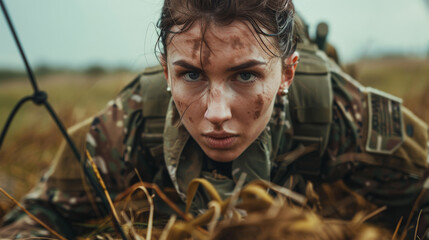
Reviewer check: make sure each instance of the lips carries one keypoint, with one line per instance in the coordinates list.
(220, 140)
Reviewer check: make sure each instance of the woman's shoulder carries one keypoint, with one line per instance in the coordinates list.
(331, 109)
(147, 92)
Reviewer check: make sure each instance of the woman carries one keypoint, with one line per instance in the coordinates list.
(228, 66)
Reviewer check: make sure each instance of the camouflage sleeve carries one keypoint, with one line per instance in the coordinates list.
(63, 198)
(378, 148)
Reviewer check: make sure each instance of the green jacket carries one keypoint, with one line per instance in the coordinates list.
(329, 128)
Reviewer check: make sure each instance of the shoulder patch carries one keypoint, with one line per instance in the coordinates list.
(385, 131)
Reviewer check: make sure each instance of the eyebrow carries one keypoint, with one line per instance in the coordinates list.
(186, 65)
(245, 65)
(242, 66)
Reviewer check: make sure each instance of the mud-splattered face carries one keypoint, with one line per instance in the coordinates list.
(224, 89)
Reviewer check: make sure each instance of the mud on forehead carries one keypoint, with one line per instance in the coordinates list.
(239, 35)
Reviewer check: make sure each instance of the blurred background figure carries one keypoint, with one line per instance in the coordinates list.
(322, 31)
(320, 39)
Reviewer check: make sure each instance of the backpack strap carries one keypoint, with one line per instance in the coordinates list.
(311, 99)
(155, 99)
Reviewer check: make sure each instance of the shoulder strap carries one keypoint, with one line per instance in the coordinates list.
(155, 100)
(155, 97)
(311, 98)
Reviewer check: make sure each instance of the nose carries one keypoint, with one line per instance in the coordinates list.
(218, 107)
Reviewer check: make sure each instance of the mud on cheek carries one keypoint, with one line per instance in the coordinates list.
(190, 109)
(181, 107)
(258, 105)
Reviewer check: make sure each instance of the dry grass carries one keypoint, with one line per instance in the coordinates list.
(402, 77)
(267, 218)
(33, 138)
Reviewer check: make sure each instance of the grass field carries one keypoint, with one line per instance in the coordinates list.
(33, 138)
(402, 77)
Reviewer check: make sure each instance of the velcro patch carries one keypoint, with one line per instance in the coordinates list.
(385, 131)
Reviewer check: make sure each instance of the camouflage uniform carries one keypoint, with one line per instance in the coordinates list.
(318, 133)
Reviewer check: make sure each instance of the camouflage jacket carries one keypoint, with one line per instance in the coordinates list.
(328, 129)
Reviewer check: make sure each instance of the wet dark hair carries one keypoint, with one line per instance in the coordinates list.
(271, 18)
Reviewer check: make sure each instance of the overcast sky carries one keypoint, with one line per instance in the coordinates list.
(78, 33)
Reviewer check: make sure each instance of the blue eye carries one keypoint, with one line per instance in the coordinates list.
(246, 77)
(192, 76)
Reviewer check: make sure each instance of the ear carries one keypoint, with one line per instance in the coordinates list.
(289, 68)
(164, 67)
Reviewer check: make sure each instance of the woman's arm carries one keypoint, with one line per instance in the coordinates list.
(378, 148)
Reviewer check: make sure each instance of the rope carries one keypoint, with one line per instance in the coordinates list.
(11, 116)
(21, 50)
(41, 98)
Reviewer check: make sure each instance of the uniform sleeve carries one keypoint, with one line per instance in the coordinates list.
(63, 198)
(363, 131)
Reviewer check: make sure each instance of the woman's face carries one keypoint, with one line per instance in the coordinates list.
(224, 88)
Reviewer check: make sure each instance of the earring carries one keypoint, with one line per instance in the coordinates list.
(168, 88)
(284, 92)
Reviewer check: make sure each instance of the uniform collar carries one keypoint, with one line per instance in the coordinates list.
(183, 157)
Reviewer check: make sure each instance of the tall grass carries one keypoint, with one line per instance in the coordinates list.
(402, 77)
(33, 138)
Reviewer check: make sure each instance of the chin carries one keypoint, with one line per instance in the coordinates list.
(222, 155)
